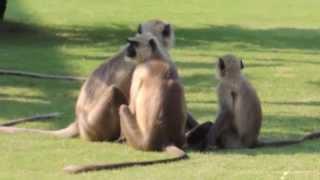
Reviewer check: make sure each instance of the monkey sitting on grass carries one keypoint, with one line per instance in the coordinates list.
(239, 119)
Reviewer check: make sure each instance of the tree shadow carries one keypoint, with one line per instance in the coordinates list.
(316, 83)
(56, 96)
(36, 48)
(274, 38)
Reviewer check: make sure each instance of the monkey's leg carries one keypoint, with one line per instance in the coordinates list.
(196, 138)
(103, 122)
(130, 128)
(223, 123)
(191, 122)
(230, 140)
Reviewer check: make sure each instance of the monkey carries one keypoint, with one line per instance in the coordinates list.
(168, 43)
(239, 119)
(106, 89)
(156, 116)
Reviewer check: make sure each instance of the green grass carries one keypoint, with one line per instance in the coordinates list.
(278, 40)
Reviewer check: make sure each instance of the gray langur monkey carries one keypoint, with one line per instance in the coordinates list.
(239, 118)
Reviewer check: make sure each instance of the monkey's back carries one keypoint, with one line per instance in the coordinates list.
(116, 71)
(250, 114)
(160, 103)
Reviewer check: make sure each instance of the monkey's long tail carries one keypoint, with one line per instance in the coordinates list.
(172, 150)
(30, 119)
(310, 136)
(68, 132)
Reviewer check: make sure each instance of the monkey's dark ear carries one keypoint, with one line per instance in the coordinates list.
(153, 44)
(221, 64)
(139, 29)
(166, 30)
(241, 64)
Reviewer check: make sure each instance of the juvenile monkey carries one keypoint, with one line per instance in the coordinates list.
(101, 95)
(156, 116)
(239, 119)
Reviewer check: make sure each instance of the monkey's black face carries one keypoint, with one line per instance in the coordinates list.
(131, 49)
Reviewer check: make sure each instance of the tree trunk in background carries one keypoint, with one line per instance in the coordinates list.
(3, 5)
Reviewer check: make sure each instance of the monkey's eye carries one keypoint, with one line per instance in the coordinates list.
(166, 30)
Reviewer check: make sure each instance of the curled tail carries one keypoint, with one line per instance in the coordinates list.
(68, 132)
(172, 150)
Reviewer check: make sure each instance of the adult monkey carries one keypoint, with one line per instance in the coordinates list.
(167, 31)
(106, 89)
(239, 119)
(156, 116)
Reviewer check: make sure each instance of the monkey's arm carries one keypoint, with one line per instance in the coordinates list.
(191, 122)
(39, 75)
(222, 123)
(224, 119)
(130, 128)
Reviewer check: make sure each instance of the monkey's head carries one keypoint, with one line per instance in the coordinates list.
(163, 31)
(142, 47)
(228, 66)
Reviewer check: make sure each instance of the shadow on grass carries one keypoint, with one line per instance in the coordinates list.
(113, 35)
(276, 38)
(38, 48)
(48, 97)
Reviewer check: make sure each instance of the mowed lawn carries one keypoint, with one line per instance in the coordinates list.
(278, 40)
